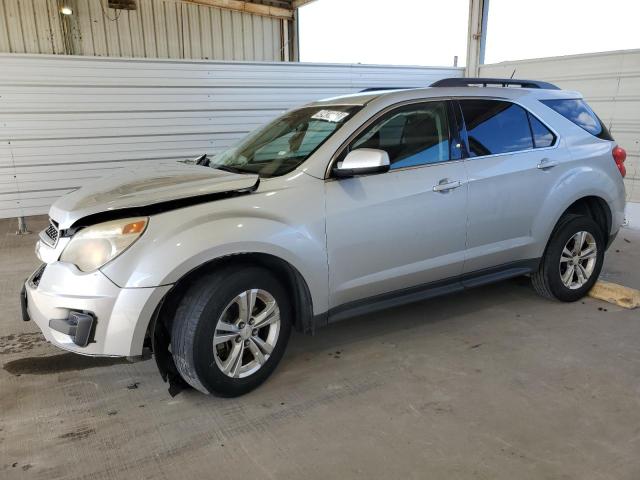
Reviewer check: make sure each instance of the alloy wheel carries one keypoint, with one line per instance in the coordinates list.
(246, 333)
(578, 260)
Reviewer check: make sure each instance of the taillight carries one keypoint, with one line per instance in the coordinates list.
(619, 156)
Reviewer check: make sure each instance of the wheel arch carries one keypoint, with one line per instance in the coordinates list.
(289, 275)
(158, 333)
(595, 207)
(592, 206)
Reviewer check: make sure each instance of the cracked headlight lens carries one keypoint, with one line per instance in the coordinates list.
(93, 246)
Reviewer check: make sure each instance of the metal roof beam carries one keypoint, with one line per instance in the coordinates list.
(248, 7)
(300, 3)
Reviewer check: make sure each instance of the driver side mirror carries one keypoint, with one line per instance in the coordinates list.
(362, 161)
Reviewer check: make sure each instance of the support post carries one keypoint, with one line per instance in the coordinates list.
(477, 36)
(22, 227)
(294, 38)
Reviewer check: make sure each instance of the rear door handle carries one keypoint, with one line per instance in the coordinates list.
(546, 163)
(444, 185)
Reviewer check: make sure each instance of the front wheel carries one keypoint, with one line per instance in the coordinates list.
(572, 261)
(231, 330)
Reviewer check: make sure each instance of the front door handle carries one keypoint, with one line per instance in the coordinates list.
(445, 185)
(546, 163)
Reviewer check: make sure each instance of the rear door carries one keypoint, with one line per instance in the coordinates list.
(512, 156)
(392, 231)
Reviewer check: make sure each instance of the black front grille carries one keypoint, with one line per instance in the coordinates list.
(51, 234)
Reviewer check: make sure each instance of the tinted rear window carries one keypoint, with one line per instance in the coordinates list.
(495, 127)
(581, 114)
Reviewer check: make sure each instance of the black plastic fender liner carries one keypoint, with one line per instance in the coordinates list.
(164, 361)
(23, 304)
(160, 342)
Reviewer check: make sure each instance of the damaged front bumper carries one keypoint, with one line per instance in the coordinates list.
(87, 313)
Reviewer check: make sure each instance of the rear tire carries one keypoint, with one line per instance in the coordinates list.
(572, 261)
(230, 330)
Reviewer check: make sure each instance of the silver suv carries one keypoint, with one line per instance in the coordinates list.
(341, 207)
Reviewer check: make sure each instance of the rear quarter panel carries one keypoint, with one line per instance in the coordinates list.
(587, 169)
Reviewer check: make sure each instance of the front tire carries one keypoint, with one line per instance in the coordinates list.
(572, 261)
(231, 330)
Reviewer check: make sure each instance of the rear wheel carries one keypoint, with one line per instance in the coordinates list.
(231, 330)
(572, 261)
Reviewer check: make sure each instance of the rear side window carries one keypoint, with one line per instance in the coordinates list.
(542, 136)
(577, 111)
(494, 126)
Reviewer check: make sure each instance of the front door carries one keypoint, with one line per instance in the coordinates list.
(407, 227)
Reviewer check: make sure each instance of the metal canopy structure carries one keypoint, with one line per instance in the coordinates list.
(226, 30)
(270, 8)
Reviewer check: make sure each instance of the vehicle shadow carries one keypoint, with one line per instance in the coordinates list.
(421, 315)
(64, 362)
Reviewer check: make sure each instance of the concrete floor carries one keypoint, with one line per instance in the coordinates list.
(495, 383)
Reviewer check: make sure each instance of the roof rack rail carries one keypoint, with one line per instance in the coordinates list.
(486, 82)
(379, 89)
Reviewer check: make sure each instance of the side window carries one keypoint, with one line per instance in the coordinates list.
(542, 136)
(494, 127)
(416, 134)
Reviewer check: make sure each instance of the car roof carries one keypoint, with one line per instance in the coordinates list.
(514, 93)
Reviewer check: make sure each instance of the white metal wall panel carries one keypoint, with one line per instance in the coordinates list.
(156, 29)
(30, 26)
(65, 120)
(609, 81)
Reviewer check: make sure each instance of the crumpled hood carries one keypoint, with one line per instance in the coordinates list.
(144, 187)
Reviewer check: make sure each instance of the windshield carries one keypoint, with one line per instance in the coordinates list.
(282, 145)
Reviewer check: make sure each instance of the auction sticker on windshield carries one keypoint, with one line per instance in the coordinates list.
(330, 115)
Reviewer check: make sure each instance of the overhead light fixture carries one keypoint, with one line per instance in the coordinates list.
(66, 10)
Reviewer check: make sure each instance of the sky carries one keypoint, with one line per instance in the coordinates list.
(432, 32)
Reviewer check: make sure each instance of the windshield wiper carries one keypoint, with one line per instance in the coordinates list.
(227, 168)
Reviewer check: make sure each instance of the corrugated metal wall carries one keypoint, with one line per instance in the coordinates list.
(66, 120)
(157, 29)
(610, 82)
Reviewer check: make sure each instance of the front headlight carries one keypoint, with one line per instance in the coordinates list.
(93, 246)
